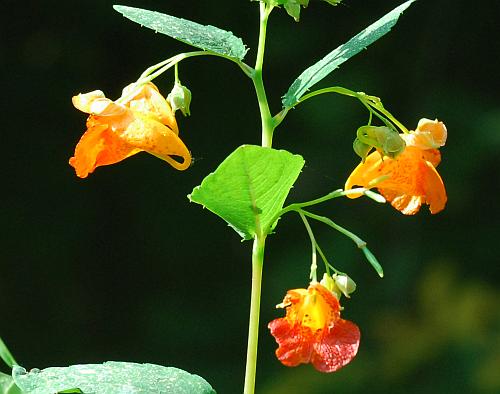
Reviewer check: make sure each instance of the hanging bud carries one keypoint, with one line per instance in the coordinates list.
(338, 284)
(345, 284)
(180, 98)
(383, 138)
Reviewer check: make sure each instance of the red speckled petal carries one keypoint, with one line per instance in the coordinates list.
(295, 342)
(337, 347)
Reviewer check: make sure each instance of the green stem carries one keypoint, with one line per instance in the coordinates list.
(268, 124)
(314, 265)
(176, 73)
(335, 194)
(358, 241)
(367, 101)
(253, 326)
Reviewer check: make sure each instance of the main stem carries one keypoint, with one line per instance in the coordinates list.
(265, 114)
(268, 126)
(253, 326)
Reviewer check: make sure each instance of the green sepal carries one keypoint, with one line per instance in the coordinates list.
(249, 188)
(109, 378)
(361, 149)
(208, 38)
(292, 7)
(386, 140)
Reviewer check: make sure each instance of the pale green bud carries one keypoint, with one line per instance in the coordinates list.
(330, 284)
(180, 98)
(345, 284)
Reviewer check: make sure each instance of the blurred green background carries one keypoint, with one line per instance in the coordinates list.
(121, 266)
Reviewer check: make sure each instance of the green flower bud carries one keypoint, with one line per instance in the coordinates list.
(180, 98)
(345, 284)
(330, 284)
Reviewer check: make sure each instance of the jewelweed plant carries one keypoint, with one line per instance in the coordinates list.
(248, 190)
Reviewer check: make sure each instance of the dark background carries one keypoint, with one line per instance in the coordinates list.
(120, 266)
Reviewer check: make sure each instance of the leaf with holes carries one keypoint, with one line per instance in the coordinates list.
(208, 38)
(330, 62)
(110, 378)
(249, 188)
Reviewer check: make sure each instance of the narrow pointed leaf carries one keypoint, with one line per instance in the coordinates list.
(249, 188)
(208, 38)
(111, 378)
(6, 355)
(334, 59)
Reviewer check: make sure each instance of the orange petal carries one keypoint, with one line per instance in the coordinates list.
(413, 182)
(366, 173)
(337, 347)
(434, 189)
(99, 146)
(295, 343)
(83, 100)
(430, 134)
(95, 103)
(148, 100)
(146, 133)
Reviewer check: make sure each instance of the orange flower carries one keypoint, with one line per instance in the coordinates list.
(140, 120)
(313, 332)
(411, 179)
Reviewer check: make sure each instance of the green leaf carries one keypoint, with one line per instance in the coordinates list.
(208, 38)
(7, 385)
(249, 188)
(6, 355)
(111, 378)
(330, 62)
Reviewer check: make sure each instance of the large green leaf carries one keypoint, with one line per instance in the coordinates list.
(330, 62)
(249, 188)
(111, 378)
(208, 38)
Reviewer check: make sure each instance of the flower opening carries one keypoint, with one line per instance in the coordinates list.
(313, 332)
(140, 120)
(410, 179)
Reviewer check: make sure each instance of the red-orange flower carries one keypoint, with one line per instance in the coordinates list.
(411, 179)
(313, 332)
(140, 120)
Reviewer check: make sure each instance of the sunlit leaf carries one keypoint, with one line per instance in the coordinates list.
(208, 38)
(330, 62)
(249, 187)
(6, 355)
(111, 378)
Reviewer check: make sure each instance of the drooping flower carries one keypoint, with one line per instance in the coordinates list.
(410, 179)
(140, 120)
(313, 332)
